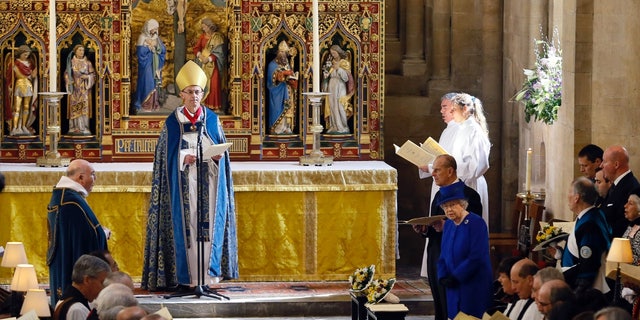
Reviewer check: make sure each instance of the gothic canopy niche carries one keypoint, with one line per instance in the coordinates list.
(247, 48)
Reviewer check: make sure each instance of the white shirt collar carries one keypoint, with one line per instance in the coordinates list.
(583, 212)
(620, 177)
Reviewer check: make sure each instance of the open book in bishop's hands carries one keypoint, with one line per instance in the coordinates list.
(421, 155)
(215, 149)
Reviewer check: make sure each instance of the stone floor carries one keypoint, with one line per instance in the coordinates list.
(313, 300)
(287, 300)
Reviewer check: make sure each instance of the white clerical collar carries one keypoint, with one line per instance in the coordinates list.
(66, 182)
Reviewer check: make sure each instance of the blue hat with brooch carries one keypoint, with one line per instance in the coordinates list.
(454, 191)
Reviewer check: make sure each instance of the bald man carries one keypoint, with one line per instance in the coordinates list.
(131, 313)
(552, 293)
(522, 274)
(615, 167)
(74, 229)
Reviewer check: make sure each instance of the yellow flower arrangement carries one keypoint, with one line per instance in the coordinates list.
(548, 232)
(379, 289)
(361, 278)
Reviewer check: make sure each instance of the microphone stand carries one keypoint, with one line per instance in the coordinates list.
(202, 167)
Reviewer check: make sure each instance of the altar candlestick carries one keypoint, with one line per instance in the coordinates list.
(527, 178)
(316, 48)
(53, 57)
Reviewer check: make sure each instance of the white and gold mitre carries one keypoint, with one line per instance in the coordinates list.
(191, 75)
(283, 46)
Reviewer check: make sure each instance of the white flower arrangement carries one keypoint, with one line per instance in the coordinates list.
(361, 278)
(379, 289)
(541, 92)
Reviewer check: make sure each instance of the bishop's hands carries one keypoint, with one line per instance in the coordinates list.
(191, 159)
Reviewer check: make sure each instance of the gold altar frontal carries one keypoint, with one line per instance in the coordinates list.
(295, 223)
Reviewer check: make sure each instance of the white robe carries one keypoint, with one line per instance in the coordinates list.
(192, 253)
(471, 148)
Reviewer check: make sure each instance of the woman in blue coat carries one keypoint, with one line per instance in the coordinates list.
(464, 268)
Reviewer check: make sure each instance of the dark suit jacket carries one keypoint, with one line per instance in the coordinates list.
(613, 207)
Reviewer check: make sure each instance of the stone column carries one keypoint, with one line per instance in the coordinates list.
(414, 63)
(393, 54)
(441, 46)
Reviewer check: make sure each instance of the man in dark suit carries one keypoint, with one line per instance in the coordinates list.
(444, 174)
(589, 159)
(615, 166)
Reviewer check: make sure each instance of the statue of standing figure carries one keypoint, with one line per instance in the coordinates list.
(211, 56)
(21, 92)
(338, 81)
(282, 84)
(79, 77)
(151, 53)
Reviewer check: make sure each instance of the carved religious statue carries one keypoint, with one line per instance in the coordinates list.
(21, 91)
(151, 53)
(211, 55)
(79, 77)
(282, 85)
(339, 83)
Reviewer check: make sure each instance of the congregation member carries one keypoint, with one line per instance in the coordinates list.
(106, 256)
(588, 242)
(131, 313)
(612, 313)
(553, 293)
(522, 274)
(464, 268)
(119, 277)
(632, 214)
(87, 278)
(615, 166)
(589, 159)
(111, 300)
(505, 298)
(74, 228)
(542, 276)
(444, 174)
(603, 185)
(173, 233)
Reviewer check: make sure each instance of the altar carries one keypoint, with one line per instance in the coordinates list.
(295, 223)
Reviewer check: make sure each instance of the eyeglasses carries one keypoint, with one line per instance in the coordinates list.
(196, 92)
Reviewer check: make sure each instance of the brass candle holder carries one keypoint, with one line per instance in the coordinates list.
(52, 157)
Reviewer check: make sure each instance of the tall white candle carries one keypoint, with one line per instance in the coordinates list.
(53, 55)
(527, 178)
(316, 48)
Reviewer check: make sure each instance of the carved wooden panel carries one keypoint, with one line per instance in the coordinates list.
(110, 32)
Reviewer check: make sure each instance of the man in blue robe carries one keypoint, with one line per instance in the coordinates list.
(74, 229)
(192, 200)
(589, 240)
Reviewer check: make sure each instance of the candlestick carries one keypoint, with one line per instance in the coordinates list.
(527, 178)
(53, 57)
(316, 48)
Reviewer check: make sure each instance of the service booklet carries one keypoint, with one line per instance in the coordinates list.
(423, 220)
(216, 149)
(420, 155)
